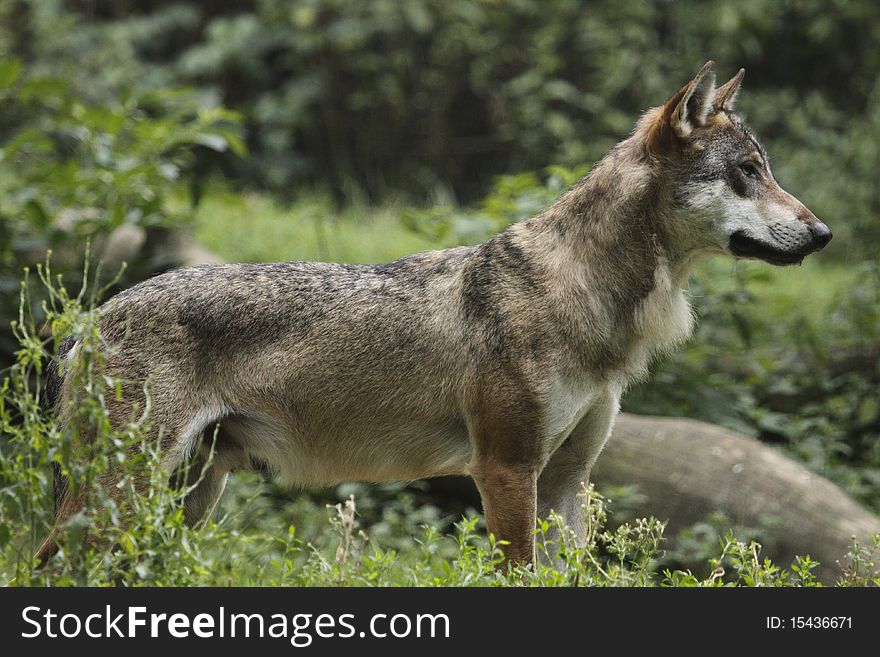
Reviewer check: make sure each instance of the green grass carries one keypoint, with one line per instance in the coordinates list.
(810, 289)
(256, 228)
(782, 306)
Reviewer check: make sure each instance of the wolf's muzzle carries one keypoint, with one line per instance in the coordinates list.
(743, 245)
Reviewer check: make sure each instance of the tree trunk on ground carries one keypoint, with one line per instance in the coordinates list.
(688, 469)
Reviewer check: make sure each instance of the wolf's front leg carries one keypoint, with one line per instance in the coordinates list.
(508, 493)
(505, 468)
(560, 483)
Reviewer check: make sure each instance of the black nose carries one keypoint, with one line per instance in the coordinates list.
(821, 234)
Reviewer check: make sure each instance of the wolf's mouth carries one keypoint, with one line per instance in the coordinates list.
(743, 246)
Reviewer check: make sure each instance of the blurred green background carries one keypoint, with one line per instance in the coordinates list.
(362, 131)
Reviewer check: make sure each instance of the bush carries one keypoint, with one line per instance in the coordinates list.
(435, 98)
(73, 171)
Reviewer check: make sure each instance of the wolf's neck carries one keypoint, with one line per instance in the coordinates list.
(609, 222)
(602, 241)
(617, 197)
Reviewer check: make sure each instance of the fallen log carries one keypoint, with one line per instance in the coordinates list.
(688, 469)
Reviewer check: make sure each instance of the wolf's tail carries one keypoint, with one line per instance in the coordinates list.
(49, 400)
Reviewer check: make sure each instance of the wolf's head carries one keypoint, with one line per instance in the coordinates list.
(720, 192)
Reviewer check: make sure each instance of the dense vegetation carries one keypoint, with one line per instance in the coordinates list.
(333, 130)
(435, 98)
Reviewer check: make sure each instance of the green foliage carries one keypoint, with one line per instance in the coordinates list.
(438, 97)
(255, 227)
(73, 170)
(511, 199)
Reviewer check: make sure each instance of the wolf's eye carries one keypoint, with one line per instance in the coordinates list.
(750, 169)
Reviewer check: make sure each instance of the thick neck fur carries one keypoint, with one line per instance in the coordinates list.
(613, 278)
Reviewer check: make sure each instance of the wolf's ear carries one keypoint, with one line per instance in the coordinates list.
(725, 95)
(690, 106)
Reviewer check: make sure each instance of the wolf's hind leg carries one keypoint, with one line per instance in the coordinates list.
(206, 479)
(118, 481)
(218, 453)
(67, 506)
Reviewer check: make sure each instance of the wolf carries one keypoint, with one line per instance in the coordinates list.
(504, 361)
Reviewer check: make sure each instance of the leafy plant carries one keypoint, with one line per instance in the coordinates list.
(73, 172)
(435, 99)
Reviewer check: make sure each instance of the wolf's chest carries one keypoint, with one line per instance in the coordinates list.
(568, 400)
(662, 321)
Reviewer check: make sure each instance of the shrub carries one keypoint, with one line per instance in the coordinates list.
(438, 97)
(73, 170)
